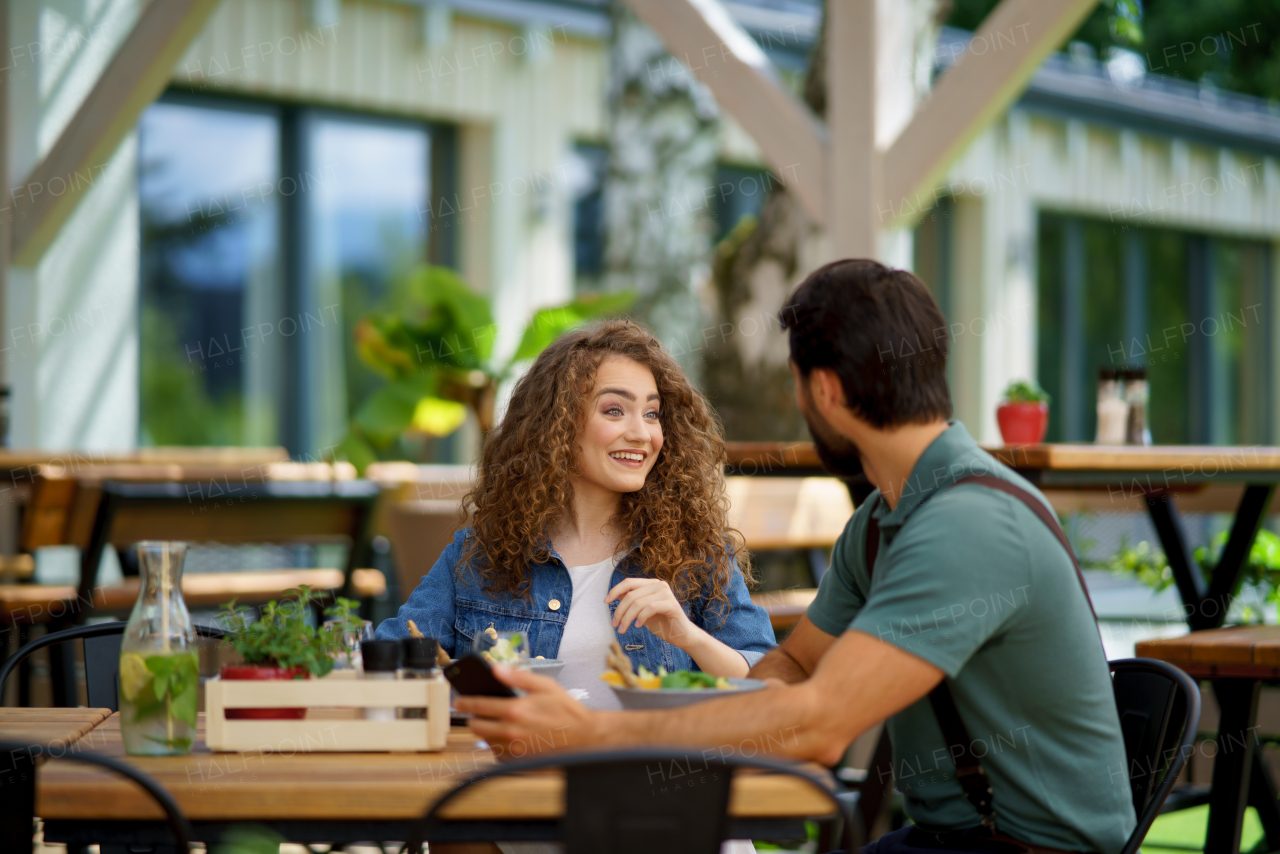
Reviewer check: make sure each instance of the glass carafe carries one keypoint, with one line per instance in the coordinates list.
(159, 661)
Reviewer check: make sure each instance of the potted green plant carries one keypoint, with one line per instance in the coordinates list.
(1023, 414)
(281, 645)
(432, 342)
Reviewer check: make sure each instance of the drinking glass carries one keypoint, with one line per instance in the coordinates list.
(507, 648)
(351, 640)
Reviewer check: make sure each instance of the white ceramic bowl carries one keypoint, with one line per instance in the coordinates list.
(546, 666)
(670, 698)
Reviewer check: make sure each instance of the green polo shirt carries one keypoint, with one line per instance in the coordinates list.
(979, 587)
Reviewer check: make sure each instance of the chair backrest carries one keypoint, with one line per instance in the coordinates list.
(101, 658)
(1159, 709)
(635, 801)
(17, 813)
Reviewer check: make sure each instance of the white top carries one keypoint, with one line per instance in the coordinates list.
(588, 632)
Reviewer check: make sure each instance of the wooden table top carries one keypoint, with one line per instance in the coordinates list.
(1170, 466)
(1241, 651)
(785, 607)
(289, 784)
(1058, 456)
(37, 603)
(53, 729)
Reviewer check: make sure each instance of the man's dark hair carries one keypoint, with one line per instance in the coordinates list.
(883, 335)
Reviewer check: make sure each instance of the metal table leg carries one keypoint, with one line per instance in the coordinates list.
(1233, 764)
(1262, 797)
(1186, 574)
(1207, 605)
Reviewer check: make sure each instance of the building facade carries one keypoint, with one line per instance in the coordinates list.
(307, 152)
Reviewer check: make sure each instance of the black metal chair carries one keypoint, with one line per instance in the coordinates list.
(630, 802)
(101, 658)
(17, 807)
(1159, 708)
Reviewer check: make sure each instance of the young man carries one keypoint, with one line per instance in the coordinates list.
(949, 607)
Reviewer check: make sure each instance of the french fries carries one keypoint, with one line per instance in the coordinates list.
(442, 657)
(618, 661)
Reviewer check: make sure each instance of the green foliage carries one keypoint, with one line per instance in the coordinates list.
(1149, 565)
(548, 324)
(1143, 562)
(431, 319)
(432, 342)
(177, 408)
(281, 637)
(249, 839)
(1025, 391)
(1124, 20)
(1226, 43)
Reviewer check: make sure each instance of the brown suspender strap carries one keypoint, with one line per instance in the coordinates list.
(969, 771)
(1044, 514)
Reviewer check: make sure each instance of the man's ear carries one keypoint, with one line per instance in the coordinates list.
(827, 390)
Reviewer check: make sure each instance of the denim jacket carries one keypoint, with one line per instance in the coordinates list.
(452, 606)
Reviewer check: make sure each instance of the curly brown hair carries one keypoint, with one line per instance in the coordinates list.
(679, 519)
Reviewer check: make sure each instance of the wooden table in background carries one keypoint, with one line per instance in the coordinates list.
(1237, 660)
(1123, 477)
(337, 797)
(785, 607)
(53, 729)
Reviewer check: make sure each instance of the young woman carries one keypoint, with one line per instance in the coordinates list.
(599, 515)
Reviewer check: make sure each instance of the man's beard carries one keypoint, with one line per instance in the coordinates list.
(838, 455)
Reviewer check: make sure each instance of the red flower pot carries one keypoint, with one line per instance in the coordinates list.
(1023, 423)
(254, 671)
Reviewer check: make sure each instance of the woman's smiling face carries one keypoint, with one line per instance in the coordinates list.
(622, 435)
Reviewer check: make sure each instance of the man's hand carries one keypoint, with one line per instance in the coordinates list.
(545, 718)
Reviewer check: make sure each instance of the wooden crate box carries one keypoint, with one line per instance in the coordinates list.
(322, 730)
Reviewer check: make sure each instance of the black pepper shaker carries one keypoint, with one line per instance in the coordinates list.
(419, 662)
(381, 660)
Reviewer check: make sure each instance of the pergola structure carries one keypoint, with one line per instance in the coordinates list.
(850, 184)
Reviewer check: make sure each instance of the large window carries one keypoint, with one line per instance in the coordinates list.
(210, 268)
(1189, 308)
(365, 228)
(267, 232)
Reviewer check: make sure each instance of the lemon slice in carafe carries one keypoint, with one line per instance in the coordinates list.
(134, 674)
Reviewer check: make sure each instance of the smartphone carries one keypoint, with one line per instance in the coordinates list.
(471, 675)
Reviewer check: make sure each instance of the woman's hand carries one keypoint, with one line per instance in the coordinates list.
(650, 603)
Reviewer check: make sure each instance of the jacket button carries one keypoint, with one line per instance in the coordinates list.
(554, 604)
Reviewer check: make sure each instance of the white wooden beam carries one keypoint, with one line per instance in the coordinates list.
(703, 36)
(5, 204)
(853, 163)
(1004, 54)
(135, 76)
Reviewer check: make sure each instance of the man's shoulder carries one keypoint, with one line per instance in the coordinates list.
(968, 509)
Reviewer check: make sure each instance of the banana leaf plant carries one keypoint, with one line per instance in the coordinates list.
(432, 342)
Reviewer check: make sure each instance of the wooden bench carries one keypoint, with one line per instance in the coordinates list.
(802, 513)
